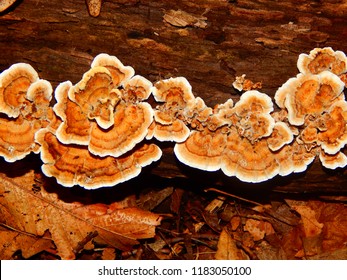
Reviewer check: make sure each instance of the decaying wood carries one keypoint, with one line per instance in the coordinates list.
(261, 39)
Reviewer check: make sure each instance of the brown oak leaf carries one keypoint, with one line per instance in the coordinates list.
(227, 248)
(12, 241)
(258, 229)
(69, 224)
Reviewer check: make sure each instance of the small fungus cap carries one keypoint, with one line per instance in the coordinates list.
(95, 96)
(75, 165)
(14, 83)
(249, 162)
(131, 123)
(253, 119)
(137, 89)
(75, 127)
(24, 102)
(202, 150)
(280, 136)
(322, 59)
(17, 138)
(175, 111)
(333, 161)
(309, 95)
(334, 136)
(119, 72)
(5, 4)
(254, 101)
(175, 91)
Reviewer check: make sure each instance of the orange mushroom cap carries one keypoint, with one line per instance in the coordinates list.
(176, 131)
(17, 138)
(75, 165)
(119, 72)
(249, 162)
(95, 96)
(131, 123)
(322, 59)
(136, 89)
(294, 158)
(334, 136)
(175, 91)
(280, 136)
(202, 149)
(309, 95)
(75, 127)
(333, 161)
(253, 114)
(14, 84)
(253, 101)
(171, 116)
(4, 4)
(24, 102)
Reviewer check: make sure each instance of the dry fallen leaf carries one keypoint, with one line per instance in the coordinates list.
(334, 218)
(69, 224)
(324, 227)
(227, 249)
(108, 254)
(308, 216)
(258, 229)
(12, 241)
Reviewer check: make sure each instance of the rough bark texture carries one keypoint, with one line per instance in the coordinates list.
(261, 39)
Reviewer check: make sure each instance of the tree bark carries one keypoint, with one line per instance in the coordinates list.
(261, 39)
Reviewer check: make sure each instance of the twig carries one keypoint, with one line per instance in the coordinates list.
(84, 241)
(232, 195)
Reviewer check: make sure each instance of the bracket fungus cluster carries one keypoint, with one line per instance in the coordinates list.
(316, 106)
(100, 131)
(103, 120)
(24, 109)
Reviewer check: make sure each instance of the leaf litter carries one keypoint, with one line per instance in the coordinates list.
(166, 220)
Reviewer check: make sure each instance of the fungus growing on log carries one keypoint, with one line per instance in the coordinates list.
(253, 115)
(93, 136)
(240, 140)
(280, 136)
(333, 135)
(120, 73)
(105, 110)
(316, 105)
(102, 118)
(202, 149)
(249, 162)
(294, 158)
(243, 84)
(170, 117)
(75, 165)
(338, 160)
(24, 104)
(309, 94)
(322, 59)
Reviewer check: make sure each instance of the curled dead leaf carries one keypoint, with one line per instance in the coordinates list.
(70, 223)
